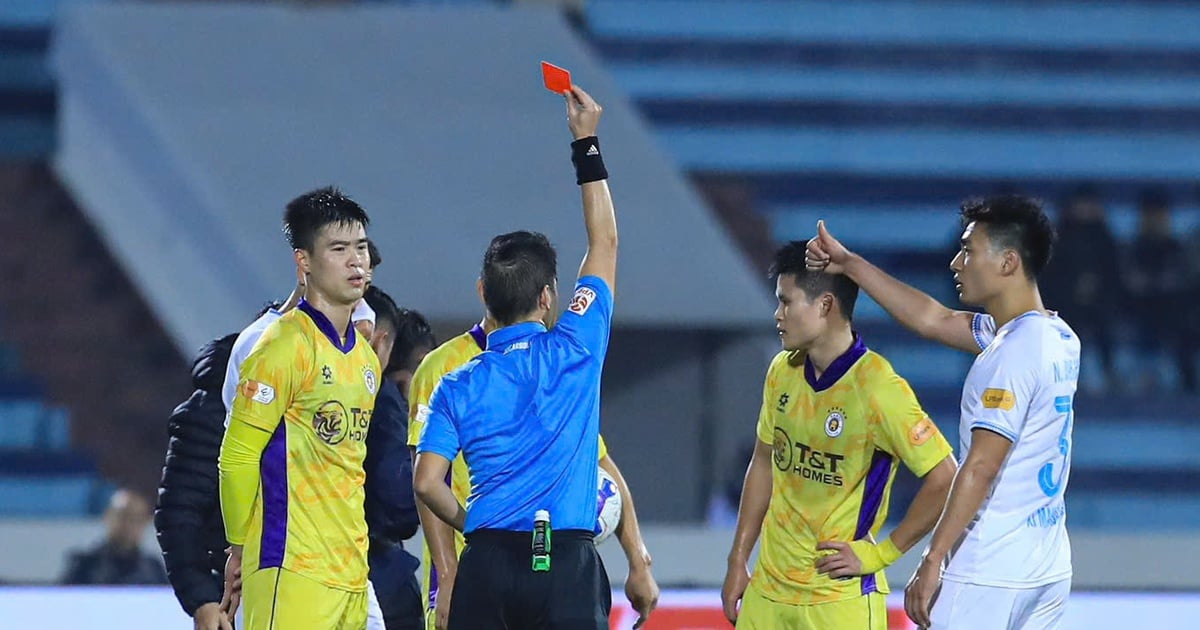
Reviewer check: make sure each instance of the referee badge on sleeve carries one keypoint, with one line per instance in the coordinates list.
(582, 300)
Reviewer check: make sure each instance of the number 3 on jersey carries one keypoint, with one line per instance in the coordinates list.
(1052, 484)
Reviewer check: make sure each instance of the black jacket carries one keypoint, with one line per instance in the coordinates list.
(391, 507)
(391, 511)
(188, 515)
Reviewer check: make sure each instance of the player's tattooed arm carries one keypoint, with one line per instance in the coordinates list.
(913, 308)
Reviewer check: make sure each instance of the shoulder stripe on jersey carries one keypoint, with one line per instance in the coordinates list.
(877, 480)
(995, 428)
(977, 330)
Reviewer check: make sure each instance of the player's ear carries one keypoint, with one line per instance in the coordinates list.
(479, 289)
(301, 258)
(1010, 262)
(826, 304)
(546, 299)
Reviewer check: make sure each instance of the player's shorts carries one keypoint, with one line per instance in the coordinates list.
(976, 607)
(868, 612)
(277, 599)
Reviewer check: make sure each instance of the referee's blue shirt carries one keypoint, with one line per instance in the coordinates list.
(526, 416)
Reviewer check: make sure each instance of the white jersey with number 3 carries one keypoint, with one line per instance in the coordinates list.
(1021, 386)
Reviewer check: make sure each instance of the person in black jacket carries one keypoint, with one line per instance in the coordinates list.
(188, 515)
(391, 508)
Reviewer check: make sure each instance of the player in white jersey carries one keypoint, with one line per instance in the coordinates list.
(1000, 552)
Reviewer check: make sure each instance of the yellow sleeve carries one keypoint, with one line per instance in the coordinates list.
(603, 448)
(241, 452)
(425, 379)
(766, 420)
(904, 429)
(269, 377)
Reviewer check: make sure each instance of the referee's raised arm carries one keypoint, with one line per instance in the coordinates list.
(583, 115)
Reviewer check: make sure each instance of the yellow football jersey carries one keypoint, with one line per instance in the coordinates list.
(443, 360)
(315, 396)
(836, 443)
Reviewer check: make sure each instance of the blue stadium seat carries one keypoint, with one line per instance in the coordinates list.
(20, 424)
(46, 496)
(931, 227)
(890, 87)
(1059, 25)
(1131, 511)
(932, 152)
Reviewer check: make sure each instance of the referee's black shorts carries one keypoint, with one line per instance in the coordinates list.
(497, 588)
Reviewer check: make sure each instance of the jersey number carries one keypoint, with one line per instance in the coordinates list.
(1052, 484)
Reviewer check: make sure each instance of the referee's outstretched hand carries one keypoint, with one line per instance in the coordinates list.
(583, 113)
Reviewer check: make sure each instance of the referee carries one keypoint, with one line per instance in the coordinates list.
(526, 415)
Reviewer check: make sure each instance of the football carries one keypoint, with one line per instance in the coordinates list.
(608, 506)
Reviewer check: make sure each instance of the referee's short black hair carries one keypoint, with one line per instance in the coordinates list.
(789, 260)
(307, 214)
(516, 267)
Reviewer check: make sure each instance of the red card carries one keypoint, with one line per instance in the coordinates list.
(557, 79)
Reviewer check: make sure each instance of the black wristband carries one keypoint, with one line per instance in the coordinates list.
(589, 166)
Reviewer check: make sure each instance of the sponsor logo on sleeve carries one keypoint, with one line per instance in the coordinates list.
(998, 399)
(258, 392)
(423, 412)
(922, 431)
(582, 300)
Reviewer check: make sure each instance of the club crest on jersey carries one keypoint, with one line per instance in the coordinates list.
(369, 379)
(835, 422)
(582, 300)
(259, 392)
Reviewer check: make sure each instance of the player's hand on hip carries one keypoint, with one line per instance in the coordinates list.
(642, 592)
(825, 253)
(843, 563)
(737, 578)
(210, 617)
(583, 113)
(233, 581)
(922, 590)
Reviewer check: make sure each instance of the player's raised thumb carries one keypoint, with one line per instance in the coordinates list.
(821, 231)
